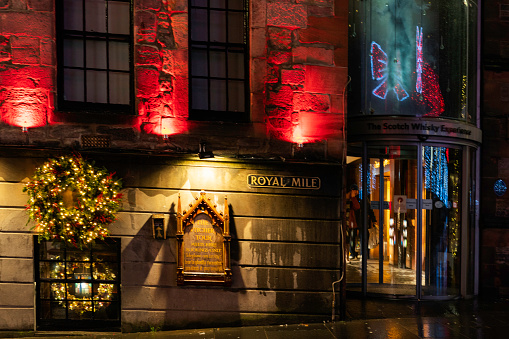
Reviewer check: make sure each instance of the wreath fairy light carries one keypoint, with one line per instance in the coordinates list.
(73, 201)
(101, 296)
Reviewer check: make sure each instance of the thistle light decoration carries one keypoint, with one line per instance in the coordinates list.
(72, 201)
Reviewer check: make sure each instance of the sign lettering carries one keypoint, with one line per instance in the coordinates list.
(280, 181)
(203, 247)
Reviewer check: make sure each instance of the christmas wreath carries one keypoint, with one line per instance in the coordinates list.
(72, 201)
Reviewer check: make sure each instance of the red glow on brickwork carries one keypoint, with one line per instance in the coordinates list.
(161, 68)
(24, 107)
(25, 83)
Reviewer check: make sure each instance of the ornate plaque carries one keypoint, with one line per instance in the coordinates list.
(203, 240)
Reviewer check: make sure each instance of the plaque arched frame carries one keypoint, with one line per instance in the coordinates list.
(185, 219)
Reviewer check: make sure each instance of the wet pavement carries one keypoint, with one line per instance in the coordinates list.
(372, 318)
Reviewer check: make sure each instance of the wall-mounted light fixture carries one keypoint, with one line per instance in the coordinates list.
(158, 229)
(24, 129)
(203, 153)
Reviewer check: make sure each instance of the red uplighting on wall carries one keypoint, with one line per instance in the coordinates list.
(22, 107)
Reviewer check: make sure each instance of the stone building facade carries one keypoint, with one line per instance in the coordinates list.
(494, 279)
(285, 241)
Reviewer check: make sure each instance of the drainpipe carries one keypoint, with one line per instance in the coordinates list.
(342, 271)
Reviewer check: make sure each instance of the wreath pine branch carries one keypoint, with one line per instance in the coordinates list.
(73, 201)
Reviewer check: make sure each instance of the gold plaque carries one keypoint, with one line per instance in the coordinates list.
(203, 244)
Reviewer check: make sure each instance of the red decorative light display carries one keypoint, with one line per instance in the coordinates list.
(431, 95)
(418, 56)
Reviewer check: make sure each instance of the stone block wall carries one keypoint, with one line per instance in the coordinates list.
(284, 248)
(494, 210)
(16, 249)
(306, 67)
(285, 243)
(298, 74)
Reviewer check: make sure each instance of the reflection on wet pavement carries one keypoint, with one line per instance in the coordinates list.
(396, 280)
(366, 318)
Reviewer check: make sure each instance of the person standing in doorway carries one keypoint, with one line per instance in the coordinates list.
(353, 208)
(354, 218)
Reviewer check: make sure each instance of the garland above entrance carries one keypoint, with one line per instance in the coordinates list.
(72, 200)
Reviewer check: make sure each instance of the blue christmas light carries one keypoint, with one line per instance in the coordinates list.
(500, 187)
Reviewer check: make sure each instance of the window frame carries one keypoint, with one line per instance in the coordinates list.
(92, 107)
(208, 45)
(69, 322)
(503, 12)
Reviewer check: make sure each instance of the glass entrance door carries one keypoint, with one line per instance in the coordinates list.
(404, 230)
(441, 220)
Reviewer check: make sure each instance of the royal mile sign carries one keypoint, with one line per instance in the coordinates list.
(425, 127)
(281, 181)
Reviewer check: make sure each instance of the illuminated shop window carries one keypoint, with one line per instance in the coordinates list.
(413, 58)
(218, 64)
(78, 286)
(94, 55)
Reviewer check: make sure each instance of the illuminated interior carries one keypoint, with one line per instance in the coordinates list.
(392, 194)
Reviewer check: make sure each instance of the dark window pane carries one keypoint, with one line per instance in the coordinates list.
(236, 4)
(106, 310)
(199, 62)
(199, 3)
(97, 87)
(105, 251)
(217, 64)
(217, 26)
(96, 54)
(235, 27)
(73, 85)
(217, 97)
(73, 15)
(236, 65)
(119, 56)
(217, 4)
(95, 11)
(50, 251)
(199, 31)
(236, 100)
(118, 17)
(52, 310)
(73, 53)
(119, 88)
(45, 290)
(200, 94)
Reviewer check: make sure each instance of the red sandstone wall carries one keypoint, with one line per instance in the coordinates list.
(305, 58)
(298, 75)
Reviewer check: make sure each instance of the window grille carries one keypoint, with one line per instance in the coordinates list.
(77, 288)
(218, 65)
(504, 12)
(94, 55)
